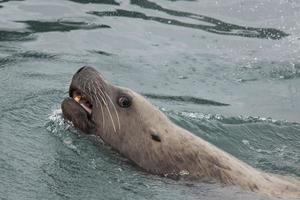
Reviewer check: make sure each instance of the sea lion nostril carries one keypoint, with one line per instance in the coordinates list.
(80, 69)
(155, 137)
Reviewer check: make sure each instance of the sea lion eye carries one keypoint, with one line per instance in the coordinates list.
(124, 102)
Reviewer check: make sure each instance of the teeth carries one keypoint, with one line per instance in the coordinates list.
(77, 98)
(81, 99)
(86, 108)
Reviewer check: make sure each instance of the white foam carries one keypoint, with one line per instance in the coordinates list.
(57, 123)
(241, 119)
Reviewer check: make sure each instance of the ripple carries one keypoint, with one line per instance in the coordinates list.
(16, 57)
(217, 26)
(35, 55)
(4, 1)
(266, 143)
(187, 99)
(261, 69)
(111, 2)
(6, 61)
(104, 53)
(235, 120)
(60, 25)
(6, 35)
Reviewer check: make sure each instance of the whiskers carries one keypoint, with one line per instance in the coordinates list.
(99, 97)
(115, 109)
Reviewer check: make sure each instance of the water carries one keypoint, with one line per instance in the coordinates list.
(226, 70)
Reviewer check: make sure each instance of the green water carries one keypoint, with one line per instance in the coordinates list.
(228, 71)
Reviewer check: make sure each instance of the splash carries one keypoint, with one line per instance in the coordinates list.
(62, 128)
(235, 119)
(57, 123)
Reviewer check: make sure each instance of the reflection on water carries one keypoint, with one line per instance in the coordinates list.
(101, 52)
(15, 36)
(112, 2)
(218, 26)
(59, 25)
(3, 1)
(25, 56)
(186, 99)
(44, 26)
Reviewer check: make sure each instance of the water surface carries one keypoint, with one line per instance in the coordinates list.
(228, 71)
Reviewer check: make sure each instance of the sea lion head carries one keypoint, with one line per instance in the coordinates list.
(121, 117)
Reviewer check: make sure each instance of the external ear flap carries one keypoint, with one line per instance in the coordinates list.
(155, 137)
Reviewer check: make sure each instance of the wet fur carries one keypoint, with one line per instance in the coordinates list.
(146, 136)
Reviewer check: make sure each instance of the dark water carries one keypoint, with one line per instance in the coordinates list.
(228, 70)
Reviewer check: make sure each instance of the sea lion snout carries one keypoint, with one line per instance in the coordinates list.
(91, 102)
(79, 106)
(76, 114)
(80, 69)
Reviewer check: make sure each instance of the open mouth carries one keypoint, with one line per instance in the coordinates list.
(82, 100)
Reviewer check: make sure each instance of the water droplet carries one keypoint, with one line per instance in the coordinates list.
(184, 173)
(245, 142)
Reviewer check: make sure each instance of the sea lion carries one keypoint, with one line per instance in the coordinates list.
(142, 133)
